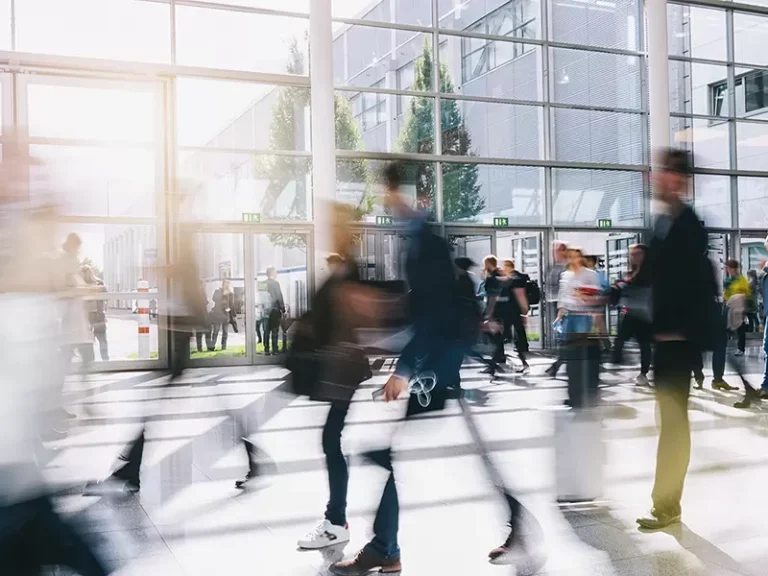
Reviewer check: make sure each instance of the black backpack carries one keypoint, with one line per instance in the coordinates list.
(532, 292)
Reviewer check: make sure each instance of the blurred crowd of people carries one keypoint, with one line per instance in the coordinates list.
(670, 301)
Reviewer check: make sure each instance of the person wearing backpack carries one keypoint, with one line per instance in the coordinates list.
(517, 311)
(685, 323)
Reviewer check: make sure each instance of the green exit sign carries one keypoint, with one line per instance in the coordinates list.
(251, 217)
(501, 222)
(384, 221)
(605, 223)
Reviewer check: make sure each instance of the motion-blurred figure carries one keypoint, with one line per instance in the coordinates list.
(685, 322)
(517, 312)
(580, 294)
(496, 310)
(32, 534)
(97, 317)
(274, 312)
(334, 322)
(187, 315)
(633, 294)
(435, 346)
(764, 296)
(552, 291)
(753, 304)
(737, 294)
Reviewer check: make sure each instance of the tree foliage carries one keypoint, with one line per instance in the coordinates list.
(288, 129)
(461, 192)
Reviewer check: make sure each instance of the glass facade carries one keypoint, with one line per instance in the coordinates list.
(529, 112)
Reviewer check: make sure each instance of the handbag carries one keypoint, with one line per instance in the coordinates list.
(328, 373)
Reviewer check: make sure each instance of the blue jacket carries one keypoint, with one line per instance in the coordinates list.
(432, 300)
(764, 288)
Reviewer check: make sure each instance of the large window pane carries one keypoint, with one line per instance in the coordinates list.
(105, 113)
(752, 145)
(706, 139)
(582, 197)
(753, 202)
(712, 199)
(751, 93)
(364, 56)
(371, 121)
(594, 24)
(414, 12)
(241, 41)
(696, 32)
(358, 183)
(594, 136)
(596, 79)
(492, 130)
(750, 37)
(514, 18)
(93, 181)
(120, 256)
(480, 192)
(221, 114)
(698, 88)
(227, 184)
(492, 68)
(114, 29)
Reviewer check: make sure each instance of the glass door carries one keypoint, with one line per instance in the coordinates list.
(279, 279)
(380, 254)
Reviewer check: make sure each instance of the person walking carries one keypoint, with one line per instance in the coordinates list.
(737, 293)
(335, 310)
(275, 312)
(634, 297)
(579, 298)
(552, 291)
(434, 353)
(764, 295)
(517, 312)
(496, 306)
(221, 314)
(684, 323)
(753, 304)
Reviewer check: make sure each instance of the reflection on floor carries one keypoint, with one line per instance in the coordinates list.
(189, 519)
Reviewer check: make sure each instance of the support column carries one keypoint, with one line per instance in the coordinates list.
(323, 130)
(658, 74)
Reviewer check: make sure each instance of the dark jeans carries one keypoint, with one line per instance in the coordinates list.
(632, 327)
(224, 326)
(179, 351)
(33, 535)
(741, 335)
(336, 463)
(271, 330)
(100, 332)
(386, 523)
(582, 355)
(199, 340)
(514, 329)
(673, 386)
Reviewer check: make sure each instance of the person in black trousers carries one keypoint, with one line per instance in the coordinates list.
(685, 318)
(517, 310)
(633, 294)
(496, 306)
(275, 313)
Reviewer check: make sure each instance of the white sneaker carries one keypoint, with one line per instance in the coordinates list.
(642, 380)
(325, 534)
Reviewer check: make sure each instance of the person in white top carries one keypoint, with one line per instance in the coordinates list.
(578, 301)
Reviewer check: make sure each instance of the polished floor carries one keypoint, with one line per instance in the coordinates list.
(189, 519)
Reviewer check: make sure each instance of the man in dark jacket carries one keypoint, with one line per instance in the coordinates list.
(275, 312)
(684, 317)
(435, 352)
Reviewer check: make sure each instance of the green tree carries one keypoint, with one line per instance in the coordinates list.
(287, 132)
(461, 192)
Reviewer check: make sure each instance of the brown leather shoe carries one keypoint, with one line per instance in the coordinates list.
(365, 562)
